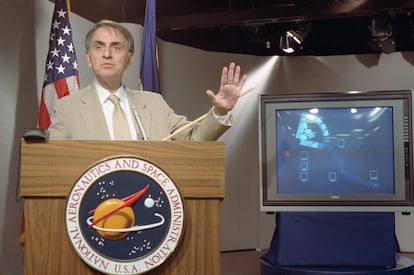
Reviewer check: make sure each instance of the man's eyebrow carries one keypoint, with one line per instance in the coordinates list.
(115, 43)
(98, 42)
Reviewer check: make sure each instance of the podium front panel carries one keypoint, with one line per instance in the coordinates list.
(48, 171)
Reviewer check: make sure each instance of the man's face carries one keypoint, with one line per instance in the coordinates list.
(108, 54)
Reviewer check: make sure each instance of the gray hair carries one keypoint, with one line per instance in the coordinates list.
(118, 28)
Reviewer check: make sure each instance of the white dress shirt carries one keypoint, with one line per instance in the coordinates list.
(108, 108)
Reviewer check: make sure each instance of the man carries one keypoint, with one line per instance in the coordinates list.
(87, 114)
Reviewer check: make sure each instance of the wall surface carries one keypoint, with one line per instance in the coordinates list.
(243, 226)
(186, 73)
(17, 84)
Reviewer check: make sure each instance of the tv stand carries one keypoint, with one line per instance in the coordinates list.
(334, 243)
(405, 266)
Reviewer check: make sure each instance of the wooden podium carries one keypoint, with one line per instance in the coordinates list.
(49, 170)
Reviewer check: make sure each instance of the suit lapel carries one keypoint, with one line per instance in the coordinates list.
(135, 100)
(92, 114)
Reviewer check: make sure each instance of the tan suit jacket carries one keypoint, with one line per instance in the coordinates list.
(80, 116)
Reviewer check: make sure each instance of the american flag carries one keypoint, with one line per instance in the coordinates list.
(61, 72)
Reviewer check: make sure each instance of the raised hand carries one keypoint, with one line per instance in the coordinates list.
(231, 85)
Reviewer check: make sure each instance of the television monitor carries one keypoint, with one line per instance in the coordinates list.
(349, 151)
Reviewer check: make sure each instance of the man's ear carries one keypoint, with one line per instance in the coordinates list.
(131, 59)
(88, 60)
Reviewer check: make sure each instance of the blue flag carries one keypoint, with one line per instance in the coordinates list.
(149, 65)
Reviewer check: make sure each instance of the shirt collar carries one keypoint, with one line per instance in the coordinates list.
(104, 93)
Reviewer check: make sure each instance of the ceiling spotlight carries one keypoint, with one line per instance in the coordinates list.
(382, 35)
(292, 40)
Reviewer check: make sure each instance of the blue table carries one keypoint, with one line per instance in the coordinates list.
(404, 266)
(317, 241)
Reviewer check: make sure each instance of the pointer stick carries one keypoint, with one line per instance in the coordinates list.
(185, 127)
(198, 119)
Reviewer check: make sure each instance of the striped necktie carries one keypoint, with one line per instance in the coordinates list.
(119, 121)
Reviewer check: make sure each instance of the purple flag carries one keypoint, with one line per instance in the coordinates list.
(149, 65)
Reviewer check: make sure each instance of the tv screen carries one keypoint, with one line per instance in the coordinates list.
(336, 152)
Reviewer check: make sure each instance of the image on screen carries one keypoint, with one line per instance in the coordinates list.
(335, 151)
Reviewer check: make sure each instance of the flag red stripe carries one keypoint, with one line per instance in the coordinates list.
(61, 88)
(51, 93)
(44, 118)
